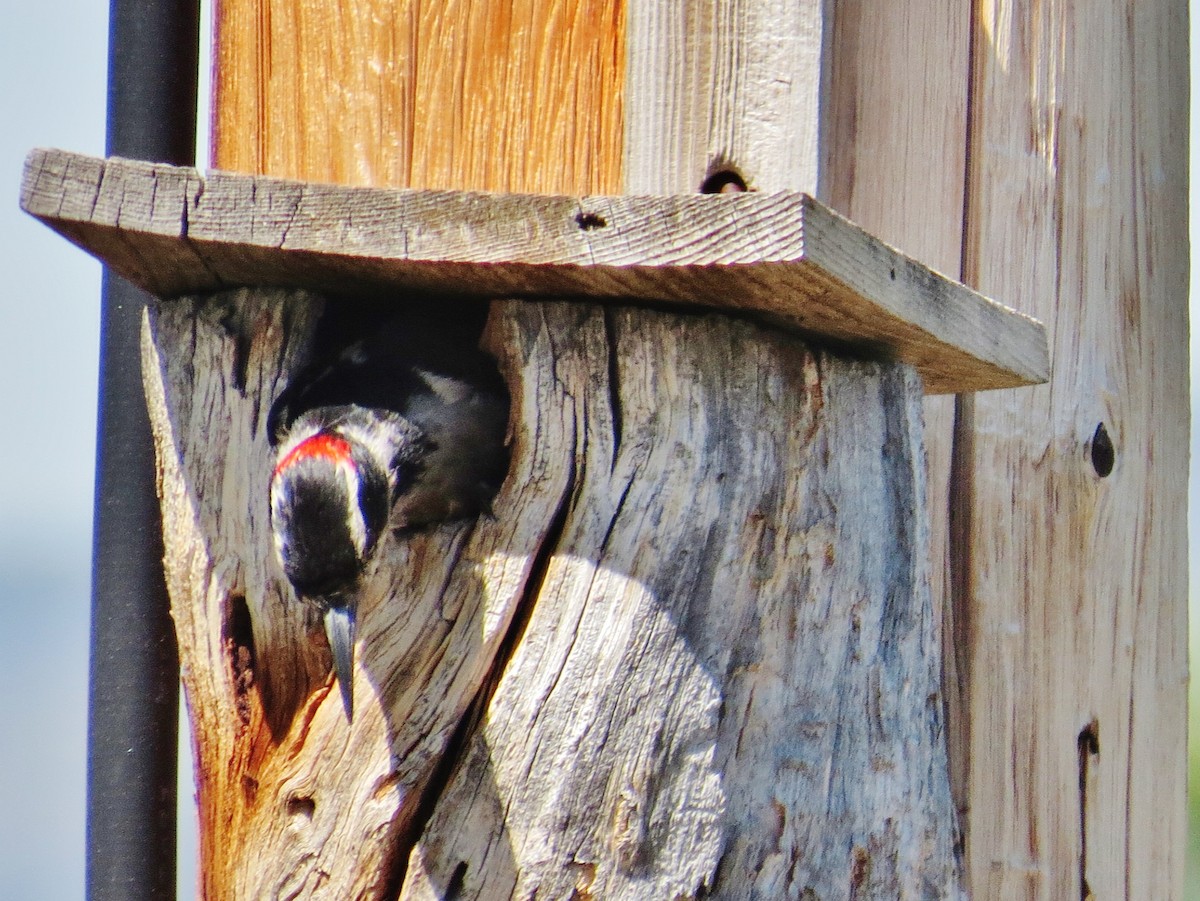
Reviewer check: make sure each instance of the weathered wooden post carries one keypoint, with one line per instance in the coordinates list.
(695, 653)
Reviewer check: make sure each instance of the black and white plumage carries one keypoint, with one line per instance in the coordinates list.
(400, 430)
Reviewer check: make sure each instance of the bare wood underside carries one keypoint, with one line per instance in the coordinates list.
(783, 258)
(703, 604)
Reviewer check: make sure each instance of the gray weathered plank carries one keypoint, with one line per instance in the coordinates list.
(782, 257)
(1072, 559)
(727, 686)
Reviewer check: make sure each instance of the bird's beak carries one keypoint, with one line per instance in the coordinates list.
(339, 629)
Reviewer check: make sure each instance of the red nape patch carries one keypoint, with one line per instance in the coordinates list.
(321, 445)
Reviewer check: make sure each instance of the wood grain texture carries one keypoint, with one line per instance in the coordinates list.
(713, 84)
(727, 686)
(822, 540)
(1075, 586)
(423, 93)
(783, 257)
(1069, 587)
(895, 163)
(856, 802)
(292, 801)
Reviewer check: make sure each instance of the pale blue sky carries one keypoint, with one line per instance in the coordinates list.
(53, 60)
(52, 93)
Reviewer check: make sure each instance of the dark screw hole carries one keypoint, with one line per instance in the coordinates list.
(1088, 740)
(588, 221)
(1104, 455)
(726, 181)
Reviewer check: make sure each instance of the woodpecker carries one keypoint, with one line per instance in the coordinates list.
(402, 430)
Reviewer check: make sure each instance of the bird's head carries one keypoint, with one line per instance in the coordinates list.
(329, 506)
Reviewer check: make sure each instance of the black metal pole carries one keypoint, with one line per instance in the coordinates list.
(133, 698)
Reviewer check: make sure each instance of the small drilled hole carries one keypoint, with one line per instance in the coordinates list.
(1088, 740)
(725, 181)
(588, 221)
(1104, 455)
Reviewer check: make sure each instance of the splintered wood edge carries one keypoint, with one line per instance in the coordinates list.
(783, 258)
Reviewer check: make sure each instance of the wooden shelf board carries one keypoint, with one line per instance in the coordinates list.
(783, 258)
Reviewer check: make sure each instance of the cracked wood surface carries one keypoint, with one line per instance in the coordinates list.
(680, 618)
(292, 801)
(1059, 786)
(782, 257)
(727, 685)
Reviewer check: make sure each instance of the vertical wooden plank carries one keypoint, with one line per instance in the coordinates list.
(454, 94)
(1074, 523)
(522, 96)
(894, 161)
(727, 683)
(713, 83)
(867, 108)
(1158, 186)
(863, 104)
(894, 156)
(320, 91)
